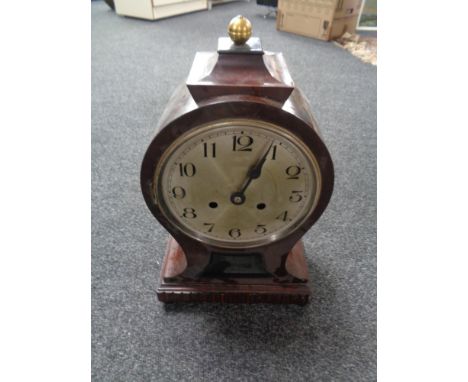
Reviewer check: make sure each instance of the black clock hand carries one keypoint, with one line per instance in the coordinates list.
(254, 173)
(256, 170)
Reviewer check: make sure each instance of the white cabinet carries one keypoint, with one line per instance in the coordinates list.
(157, 9)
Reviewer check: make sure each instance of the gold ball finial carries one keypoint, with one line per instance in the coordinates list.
(240, 30)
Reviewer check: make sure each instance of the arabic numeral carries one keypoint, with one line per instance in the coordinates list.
(189, 213)
(187, 169)
(293, 172)
(210, 226)
(234, 233)
(206, 150)
(283, 216)
(296, 196)
(242, 143)
(178, 192)
(273, 153)
(260, 229)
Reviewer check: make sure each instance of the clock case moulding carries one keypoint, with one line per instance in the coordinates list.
(236, 83)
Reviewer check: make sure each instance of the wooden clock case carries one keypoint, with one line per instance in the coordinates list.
(236, 83)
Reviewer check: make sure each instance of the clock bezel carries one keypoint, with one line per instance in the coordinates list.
(158, 186)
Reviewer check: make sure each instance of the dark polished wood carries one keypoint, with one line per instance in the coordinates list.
(228, 87)
(232, 74)
(231, 289)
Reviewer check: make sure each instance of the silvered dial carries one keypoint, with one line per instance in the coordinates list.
(239, 183)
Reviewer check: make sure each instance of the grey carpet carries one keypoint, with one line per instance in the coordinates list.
(136, 65)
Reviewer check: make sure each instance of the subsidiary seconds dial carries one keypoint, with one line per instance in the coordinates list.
(237, 183)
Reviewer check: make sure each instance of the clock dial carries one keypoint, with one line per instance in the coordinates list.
(239, 183)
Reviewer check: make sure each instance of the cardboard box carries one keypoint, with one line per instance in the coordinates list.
(322, 19)
(347, 8)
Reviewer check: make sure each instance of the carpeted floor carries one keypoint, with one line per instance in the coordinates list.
(136, 65)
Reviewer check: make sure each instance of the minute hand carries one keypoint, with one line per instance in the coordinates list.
(256, 170)
(254, 173)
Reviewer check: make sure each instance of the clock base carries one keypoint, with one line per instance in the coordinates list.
(232, 288)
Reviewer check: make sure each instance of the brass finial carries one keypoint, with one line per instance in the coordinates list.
(240, 30)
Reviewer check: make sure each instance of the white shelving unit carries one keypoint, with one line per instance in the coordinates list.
(157, 9)
(216, 2)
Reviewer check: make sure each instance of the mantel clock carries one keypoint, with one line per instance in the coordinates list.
(237, 173)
